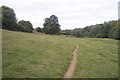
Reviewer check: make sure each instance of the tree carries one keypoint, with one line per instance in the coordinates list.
(106, 30)
(0, 18)
(66, 32)
(38, 29)
(9, 20)
(51, 25)
(116, 32)
(78, 32)
(25, 26)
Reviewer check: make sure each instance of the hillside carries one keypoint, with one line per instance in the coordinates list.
(29, 55)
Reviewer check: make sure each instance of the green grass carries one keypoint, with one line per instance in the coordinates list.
(97, 58)
(32, 55)
(29, 55)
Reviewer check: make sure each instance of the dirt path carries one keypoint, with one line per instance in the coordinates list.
(70, 71)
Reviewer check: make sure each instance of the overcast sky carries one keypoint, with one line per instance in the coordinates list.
(71, 13)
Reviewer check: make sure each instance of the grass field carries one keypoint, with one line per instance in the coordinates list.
(97, 58)
(29, 55)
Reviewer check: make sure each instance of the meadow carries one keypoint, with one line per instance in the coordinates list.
(97, 58)
(31, 55)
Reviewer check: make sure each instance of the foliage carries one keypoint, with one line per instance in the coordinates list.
(0, 17)
(78, 32)
(38, 29)
(25, 26)
(9, 20)
(106, 30)
(66, 32)
(51, 25)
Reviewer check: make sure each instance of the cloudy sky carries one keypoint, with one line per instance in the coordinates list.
(71, 13)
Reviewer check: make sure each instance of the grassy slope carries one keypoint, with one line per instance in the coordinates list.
(97, 58)
(33, 55)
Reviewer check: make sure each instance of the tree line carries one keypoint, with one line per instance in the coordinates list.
(108, 29)
(9, 22)
(51, 25)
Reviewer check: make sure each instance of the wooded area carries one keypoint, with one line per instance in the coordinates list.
(106, 30)
(51, 25)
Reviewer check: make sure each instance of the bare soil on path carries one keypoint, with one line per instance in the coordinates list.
(70, 71)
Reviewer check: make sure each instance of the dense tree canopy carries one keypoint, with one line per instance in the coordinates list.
(9, 20)
(106, 30)
(51, 25)
(38, 29)
(25, 26)
(0, 18)
(66, 32)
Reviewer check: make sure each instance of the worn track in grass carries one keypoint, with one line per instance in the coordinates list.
(70, 71)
